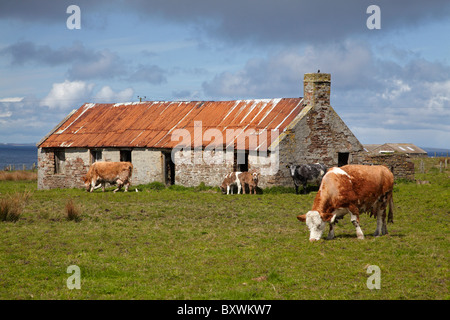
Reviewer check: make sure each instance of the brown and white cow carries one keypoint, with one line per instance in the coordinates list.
(230, 181)
(249, 179)
(112, 172)
(353, 189)
(241, 180)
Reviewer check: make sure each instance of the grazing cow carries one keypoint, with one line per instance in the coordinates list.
(305, 173)
(249, 179)
(230, 181)
(112, 172)
(354, 189)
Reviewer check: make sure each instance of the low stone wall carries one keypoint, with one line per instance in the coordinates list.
(399, 164)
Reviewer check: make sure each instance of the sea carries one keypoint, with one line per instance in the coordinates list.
(18, 156)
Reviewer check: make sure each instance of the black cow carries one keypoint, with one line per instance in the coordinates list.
(305, 173)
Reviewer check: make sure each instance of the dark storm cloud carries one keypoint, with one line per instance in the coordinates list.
(85, 63)
(47, 11)
(262, 21)
(289, 21)
(26, 51)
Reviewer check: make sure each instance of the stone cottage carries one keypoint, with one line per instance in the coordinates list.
(189, 142)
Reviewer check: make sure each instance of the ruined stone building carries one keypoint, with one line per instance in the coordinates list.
(189, 142)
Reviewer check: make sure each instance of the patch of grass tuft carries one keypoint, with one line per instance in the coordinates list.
(72, 211)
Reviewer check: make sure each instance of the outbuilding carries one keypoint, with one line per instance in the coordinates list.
(189, 142)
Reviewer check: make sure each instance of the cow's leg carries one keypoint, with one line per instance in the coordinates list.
(93, 182)
(126, 186)
(296, 188)
(384, 226)
(304, 187)
(380, 210)
(354, 217)
(378, 231)
(103, 186)
(377, 212)
(119, 185)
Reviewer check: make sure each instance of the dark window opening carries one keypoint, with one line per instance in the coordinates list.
(125, 155)
(60, 159)
(168, 169)
(240, 161)
(342, 158)
(96, 155)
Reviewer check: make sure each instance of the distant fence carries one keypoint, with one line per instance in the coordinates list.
(14, 167)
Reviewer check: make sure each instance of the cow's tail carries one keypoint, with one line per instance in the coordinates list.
(391, 208)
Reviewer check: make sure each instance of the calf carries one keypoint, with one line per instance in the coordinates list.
(351, 189)
(230, 181)
(112, 172)
(302, 174)
(249, 179)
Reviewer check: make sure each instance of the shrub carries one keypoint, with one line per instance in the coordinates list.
(11, 207)
(156, 185)
(72, 211)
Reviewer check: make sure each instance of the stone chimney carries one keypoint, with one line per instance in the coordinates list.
(316, 89)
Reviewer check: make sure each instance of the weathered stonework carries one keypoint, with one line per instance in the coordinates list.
(317, 137)
(399, 164)
(316, 89)
(194, 167)
(71, 176)
(146, 166)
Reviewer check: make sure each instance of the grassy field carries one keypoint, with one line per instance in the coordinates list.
(195, 243)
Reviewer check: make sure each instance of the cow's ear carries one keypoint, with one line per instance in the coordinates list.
(287, 166)
(302, 217)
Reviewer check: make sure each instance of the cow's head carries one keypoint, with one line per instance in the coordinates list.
(224, 185)
(292, 168)
(316, 224)
(87, 183)
(255, 177)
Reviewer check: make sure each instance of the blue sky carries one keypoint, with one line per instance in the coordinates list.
(388, 85)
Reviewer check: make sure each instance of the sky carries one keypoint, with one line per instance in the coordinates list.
(388, 84)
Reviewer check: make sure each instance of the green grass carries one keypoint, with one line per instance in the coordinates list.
(195, 243)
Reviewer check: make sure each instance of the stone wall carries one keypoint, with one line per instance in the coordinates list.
(399, 164)
(147, 166)
(194, 167)
(75, 167)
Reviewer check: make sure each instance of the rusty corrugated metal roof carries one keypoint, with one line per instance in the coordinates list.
(152, 124)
